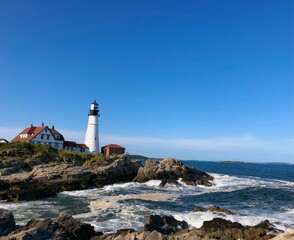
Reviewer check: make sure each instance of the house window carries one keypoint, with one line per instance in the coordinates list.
(42, 136)
(56, 145)
(48, 136)
(57, 136)
(45, 129)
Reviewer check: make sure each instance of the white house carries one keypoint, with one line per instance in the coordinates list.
(48, 136)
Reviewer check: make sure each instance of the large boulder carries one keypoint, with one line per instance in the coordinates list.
(164, 224)
(7, 221)
(64, 228)
(225, 229)
(169, 170)
(75, 228)
(38, 230)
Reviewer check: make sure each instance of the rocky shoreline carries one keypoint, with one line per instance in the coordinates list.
(65, 227)
(27, 174)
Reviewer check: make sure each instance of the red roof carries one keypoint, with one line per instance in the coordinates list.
(54, 131)
(31, 131)
(113, 146)
(34, 131)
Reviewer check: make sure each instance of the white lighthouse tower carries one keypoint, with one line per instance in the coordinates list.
(92, 135)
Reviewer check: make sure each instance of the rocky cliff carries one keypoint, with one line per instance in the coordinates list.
(170, 170)
(29, 174)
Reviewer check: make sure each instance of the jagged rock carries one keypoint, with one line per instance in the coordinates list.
(7, 221)
(170, 170)
(165, 224)
(214, 209)
(220, 224)
(123, 234)
(143, 235)
(125, 231)
(157, 228)
(46, 180)
(154, 235)
(224, 229)
(65, 228)
(199, 209)
(289, 235)
(76, 228)
(38, 230)
(220, 210)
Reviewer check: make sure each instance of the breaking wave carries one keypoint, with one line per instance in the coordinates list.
(128, 205)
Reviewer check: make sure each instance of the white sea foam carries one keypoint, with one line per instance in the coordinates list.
(123, 213)
(226, 183)
(286, 183)
(108, 202)
(80, 193)
(152, 183)
(194, 219)
(118, 186)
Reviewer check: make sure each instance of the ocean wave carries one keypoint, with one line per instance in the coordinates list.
(128, 205)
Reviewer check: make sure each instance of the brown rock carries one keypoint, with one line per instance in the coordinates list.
(76, 228)
(7, 221)
(164, 224)
(46, 180)
(224, 229)
(289, 235)
(214, 209)
(154, 235)
(143, 235)
(169, 170)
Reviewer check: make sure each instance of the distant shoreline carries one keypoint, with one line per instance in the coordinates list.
(241, 162)
(228, 161)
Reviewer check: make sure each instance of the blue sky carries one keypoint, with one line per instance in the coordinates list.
(207, 79)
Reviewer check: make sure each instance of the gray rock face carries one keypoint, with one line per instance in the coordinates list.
(224, 229)
(39, 229)
(45, 180)
(6, 221)
(289, 235)
(157, 228)
(214, 209)
(165, 224)
(75, 228)
(169, 170)
(65, 228)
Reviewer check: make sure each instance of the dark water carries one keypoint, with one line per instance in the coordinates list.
(279, 171)
(255, 192)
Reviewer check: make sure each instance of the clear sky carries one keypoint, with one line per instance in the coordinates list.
(205, 79)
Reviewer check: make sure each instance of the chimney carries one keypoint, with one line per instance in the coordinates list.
(42, 124)
(31, 125)
(52, 127)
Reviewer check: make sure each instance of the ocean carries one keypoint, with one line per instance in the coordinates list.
(254, 192)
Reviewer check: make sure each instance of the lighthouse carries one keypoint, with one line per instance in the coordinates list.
(92, 135)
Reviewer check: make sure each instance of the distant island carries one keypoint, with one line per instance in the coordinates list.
(228, 161)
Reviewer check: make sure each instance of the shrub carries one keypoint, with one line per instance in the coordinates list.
(95, 159)
(18, 145)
